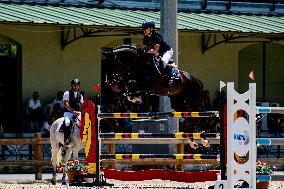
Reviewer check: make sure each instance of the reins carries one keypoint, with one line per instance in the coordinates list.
(75, 123)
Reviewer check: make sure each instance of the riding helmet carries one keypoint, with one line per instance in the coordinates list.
(148, 24)
(75, 81)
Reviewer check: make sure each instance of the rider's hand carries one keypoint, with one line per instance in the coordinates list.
(151, 51)
(158, 58)
(76, 113)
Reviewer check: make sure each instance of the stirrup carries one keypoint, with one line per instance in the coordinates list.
(171, 81)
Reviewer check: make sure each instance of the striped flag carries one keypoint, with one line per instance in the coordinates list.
(251, 75)
(97, 88)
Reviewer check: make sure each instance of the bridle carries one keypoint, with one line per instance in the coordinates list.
(124, 72)
(75, 119)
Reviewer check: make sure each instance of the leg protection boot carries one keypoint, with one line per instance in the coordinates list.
(67, 133)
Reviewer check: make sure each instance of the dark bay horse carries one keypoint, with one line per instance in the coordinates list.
(135, 72)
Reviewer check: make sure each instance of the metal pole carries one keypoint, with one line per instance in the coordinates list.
(223, 161)
(263, 71)
(97, 127)
(168, 25)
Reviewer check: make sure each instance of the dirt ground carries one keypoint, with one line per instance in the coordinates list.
(45, 184)
(27, 181)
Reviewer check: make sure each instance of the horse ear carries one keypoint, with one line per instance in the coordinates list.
(107, 52)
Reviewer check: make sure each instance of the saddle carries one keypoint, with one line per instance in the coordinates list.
(170, 72)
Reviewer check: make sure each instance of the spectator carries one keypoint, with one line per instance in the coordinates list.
(34, 111)
(56, 107)
(47, 111)
(273, 123)
(59, 100)
(57, 112)
(45, 130)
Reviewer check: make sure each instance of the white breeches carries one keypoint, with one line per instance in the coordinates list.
(67, 117)
(167, 56)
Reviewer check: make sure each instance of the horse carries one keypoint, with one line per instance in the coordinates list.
(57, 143)
(136, 73)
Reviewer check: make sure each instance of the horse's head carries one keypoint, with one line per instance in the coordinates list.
(123, 65)
(122, 61)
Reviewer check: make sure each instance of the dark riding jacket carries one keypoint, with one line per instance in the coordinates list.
(74, 101)
(156, 38)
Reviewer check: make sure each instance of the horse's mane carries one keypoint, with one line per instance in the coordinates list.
(124, 48)
(129, 50)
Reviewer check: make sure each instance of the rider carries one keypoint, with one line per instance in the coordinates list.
(73, 101)
(154, 44)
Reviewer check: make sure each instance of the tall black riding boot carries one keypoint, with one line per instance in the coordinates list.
(168, 76)
(62, 127)
(67, 133)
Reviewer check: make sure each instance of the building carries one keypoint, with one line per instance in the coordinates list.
(45, 44)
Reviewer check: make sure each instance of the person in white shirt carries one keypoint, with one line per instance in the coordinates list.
(73, 101)
(34, 110)
(59, 100)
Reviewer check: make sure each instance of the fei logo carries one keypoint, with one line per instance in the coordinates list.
(242, 138)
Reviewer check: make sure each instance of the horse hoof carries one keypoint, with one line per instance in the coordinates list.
(53, 182)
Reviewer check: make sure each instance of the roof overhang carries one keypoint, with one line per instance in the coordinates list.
(125, 19)
(100, 21)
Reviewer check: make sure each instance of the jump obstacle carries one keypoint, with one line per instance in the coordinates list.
(241, 138)
(91, 119)
(239, 146)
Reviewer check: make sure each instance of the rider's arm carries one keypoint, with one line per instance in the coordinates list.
(68, 107)
(155, 39)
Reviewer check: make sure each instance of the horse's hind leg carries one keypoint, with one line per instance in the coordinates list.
(55, 161)
(67, 158)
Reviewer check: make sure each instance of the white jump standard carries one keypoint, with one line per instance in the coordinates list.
(241, 151)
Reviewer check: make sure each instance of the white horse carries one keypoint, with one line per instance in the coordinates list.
(57, 142)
